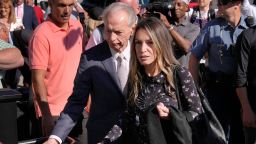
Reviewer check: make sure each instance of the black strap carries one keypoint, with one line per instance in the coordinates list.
(177, 85)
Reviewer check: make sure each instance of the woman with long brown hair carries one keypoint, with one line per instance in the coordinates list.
(151, 84)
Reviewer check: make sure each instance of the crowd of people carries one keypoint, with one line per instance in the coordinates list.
(106, 64)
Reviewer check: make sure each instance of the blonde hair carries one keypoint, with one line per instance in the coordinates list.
(12, 17)
(91, 25)
(165, 58)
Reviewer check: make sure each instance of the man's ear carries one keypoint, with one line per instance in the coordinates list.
(133, 28)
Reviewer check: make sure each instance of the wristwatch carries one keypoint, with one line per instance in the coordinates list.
(171, 27)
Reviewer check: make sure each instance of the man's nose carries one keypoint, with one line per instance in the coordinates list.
(112, 36)
(67, 9)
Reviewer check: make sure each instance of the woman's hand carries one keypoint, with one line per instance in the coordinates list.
(163, 111)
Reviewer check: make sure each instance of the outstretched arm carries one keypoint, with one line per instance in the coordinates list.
(10, 58)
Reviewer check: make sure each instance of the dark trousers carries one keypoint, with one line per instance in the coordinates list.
(250, 135)
(224, 102)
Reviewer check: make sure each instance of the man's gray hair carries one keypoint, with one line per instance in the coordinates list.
(120, 6)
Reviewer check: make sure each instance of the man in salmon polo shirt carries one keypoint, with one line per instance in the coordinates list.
(55, 50)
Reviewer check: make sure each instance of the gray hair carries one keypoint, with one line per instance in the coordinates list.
(120, 6)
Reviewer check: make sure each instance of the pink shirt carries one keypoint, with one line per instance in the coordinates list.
(58, 52)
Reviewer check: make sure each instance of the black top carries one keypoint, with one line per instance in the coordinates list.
(246, 63)
(155, 90)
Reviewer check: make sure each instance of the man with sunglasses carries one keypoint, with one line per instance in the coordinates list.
(218, 39)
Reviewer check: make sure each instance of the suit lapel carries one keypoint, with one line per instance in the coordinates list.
(110, 68)
(24, 13)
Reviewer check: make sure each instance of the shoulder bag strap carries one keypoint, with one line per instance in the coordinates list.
(177, 85)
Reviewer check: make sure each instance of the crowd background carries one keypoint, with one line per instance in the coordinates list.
(20, 18)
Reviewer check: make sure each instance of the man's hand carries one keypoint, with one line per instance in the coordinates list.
(249, 118)
(164, 19)
(51, 141)
(163, 111)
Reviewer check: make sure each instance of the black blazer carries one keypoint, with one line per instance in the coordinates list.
(95, 76)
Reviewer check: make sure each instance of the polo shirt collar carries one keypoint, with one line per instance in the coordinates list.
(56, 28)
(242, 24)
(183, 23)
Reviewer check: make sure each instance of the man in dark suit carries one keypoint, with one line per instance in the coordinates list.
(26, 14)
(98, 75)
(27, 21)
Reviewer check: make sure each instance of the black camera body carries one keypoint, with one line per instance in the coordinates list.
(162, 7)
(165, 8)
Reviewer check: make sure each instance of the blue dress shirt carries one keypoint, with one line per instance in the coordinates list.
(217, 38)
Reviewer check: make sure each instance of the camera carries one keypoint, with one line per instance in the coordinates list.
(165, 8)
(162, 7)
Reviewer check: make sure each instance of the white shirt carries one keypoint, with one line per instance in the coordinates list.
(126, 53)
(19, 16)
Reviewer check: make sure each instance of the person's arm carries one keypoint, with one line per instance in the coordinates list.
(191, 96)
(182, 42)
(52, 141)
(76, 102)
(199, 48)
(249, 117)
(193, 67)
(80, 9)
(125, 121)
(40, 93)
(243, 49)
(10, 58)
